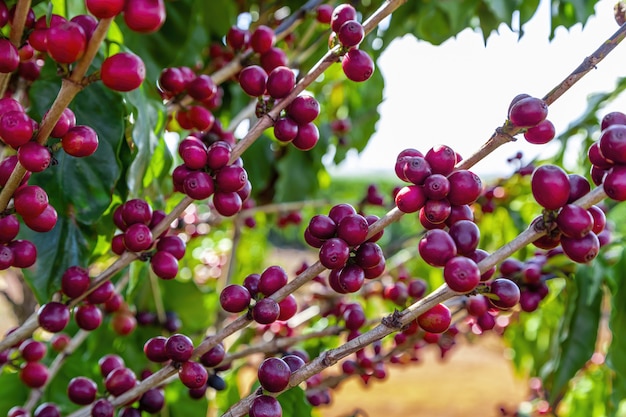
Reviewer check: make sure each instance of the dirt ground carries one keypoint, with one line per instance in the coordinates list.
(474, 380)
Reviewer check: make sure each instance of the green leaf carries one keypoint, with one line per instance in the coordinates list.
(65, 245)
(13, 391)
(294, 403)
(297, 175)
(577, 337)
(616, 356)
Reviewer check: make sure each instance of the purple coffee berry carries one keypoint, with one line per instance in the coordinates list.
(437, 247)
(108, 363)
(272, 279)
(506, 293)
(235, 298)
(75, 281)
(280, 82)
(179, 348)
(53, 316)
(334, 253)
(550, 186)
(119, 381)
(461, 274)
(253, 80)
(357, 65)
(274, 374)
(88, 316)
(266, 311)
(193, 374)
(82, 390)
(528, 112)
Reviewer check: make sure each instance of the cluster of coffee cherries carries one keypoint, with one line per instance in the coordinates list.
(181, 82)
(357, 65)
(296, 125)
(345, 248)
(576, 228)
(529, 113)
(608, 156)
(237, 298)
(206, 172)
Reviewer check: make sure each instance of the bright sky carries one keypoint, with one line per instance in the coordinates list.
(458, 93)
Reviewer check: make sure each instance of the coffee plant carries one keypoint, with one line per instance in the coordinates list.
(156, 153)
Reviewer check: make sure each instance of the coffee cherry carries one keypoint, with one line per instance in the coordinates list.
(528, 112)
(227, 203)
(280, 82)
(213, 356)
(466, 235)
(237, 38)
(253, 80)
(612, 143)
(339, 211)
(88, 316)
(198, 185)
(415, 169)
(66, 42)
(82, 390)
(274, 374)
(102, 408)
(202, 88)
(218, 155)
(137, 237)
(34, 157)
(436, 320)
(615, 183)
(172, 81)
(64, 124)
(32, 350)
(271, 280)
(129, 412)
(357, 65)
(303, 109)
(16, 128)
(368, 255)
(437, 247)
(144, 16)
(599, 219)
(613, 118)
(53, 316)
(334, 253)
(574, 221)
(154, 349)
(34, 374)
(351, 278)
(265, 406)
(164, 265)
(465, 187)
(441, 159)
(266, 311)
(108, 363)
(123, 71)
(134, 211)
(47, 410)
(410, 199)
(152, 401)
(235, 298)
(461, 274)
(9, 228)
(179, 348)
(262, 39)
(231, 178)
(341, 14)
(542, 133)
(43, 222)
(550, 186)
(103, 9)
(350, 34)
(596, 158)
(193, 374)
(119, 381)
(75, 281)
(288, 308)
(352, 229)
(324, 13)
(507, 293)
(436, 187)
(103, 293)
(285, 129)
(9, 57)
(581, 250)
(307, 137)
(80, 141)
(172, 244)
(578, 187)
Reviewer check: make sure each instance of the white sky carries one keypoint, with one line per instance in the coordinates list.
(458, 93)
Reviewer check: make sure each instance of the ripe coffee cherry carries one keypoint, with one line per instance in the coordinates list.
(44, 222)
(34, 374)
(435, 320)
(351, 278)
(596, 158)
(103, 9)
(461, 274)
(266, 311)
(75, 281)
(507, 293)
(154, 349)
(47, 410)
(120, 380)
(352, 229)
(441, 159)
(615, 183)
(579, 186)
(528, 112)
(144, 16)
(324, 13)
(465, 187)
(613, 118)
(9, 57)
(410, 199)
(136, 210)
(550, 186)
(213, 356)
(436, 211)
(612, 143)
(9, 228)
(262, 39)
(152, 401)
(415, 169)
(231, 178)
(172, 81)
(581, 250)
(350, 34)
(6, 257)
(274, 374)
(102, 294)
(201, 118)
(193, 374)
(102, 408)
(179, 348)
(285, 129)
(198, 185)
(357, 65)
(66, 42)
(574, 221)
(288, 307)
(88, 316)
(218, 155)
(368, 255)
(34, 157)
(303, 109)
(24, 253)
(172, 244)
(280, 82)
(340, 15)
(253, 80)
(53, 316)
(227, 203)
(334, 253)
(437, 247)
(108, 363)
(16, 128)
(202, 88)
(599, 219)
(80, 141)
(137, 237)
(272, 279)
(322, 226)
(466, 235)
(123, 71)
(542, 133)
(265, 406)
(82, 390)
(237, 38)
(64, 124)
(164, 265)
(32, 350)
(339, 211)
(436, 187)
(235, 298)
(307, 137)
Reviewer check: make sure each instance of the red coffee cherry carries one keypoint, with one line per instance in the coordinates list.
(9, 57)
(357, 65)
(550, 186)
(436, 320)
(66, 42)
(103, 9)
(123, 71)
(80, 141)
(144, 16)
